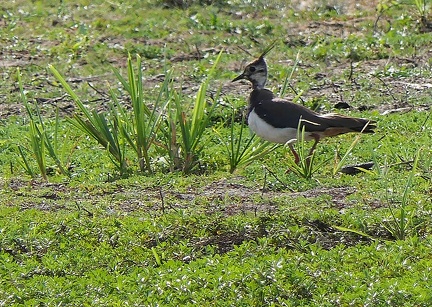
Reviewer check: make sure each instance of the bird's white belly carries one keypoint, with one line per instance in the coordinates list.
(270, 133)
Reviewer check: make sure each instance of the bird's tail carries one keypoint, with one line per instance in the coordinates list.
(352, 123)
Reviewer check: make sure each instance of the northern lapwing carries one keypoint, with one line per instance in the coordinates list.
(277, 120)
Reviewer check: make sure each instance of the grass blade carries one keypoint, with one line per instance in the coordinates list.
(338, 164)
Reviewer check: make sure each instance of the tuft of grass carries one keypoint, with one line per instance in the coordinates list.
(183, 132)
(41, 144)
(115, 129)
(242, 150)
(98, 126)
(423, 9)
(306, 165)
(399, 224)
(141, 131)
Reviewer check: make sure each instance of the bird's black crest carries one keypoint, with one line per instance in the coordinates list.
(268, 49)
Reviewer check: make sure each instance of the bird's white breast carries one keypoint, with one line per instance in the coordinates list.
(270, 133)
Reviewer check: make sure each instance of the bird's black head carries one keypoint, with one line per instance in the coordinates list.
(256, 71)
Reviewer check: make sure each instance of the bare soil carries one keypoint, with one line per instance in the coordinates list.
(226, 197)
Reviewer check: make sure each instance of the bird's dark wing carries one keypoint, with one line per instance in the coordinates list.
(281, 113)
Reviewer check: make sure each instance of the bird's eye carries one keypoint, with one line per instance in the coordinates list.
(252, 68)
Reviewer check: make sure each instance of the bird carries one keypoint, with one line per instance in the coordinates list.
(278, 120)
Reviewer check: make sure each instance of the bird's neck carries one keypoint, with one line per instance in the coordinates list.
(257, 96)
(257, 85)
(258, 81)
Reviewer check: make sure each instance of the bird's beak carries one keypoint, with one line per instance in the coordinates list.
(242, 76)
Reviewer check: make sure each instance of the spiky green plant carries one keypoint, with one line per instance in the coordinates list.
(243, 148)
(183, 131)
(422, 10)
(141, 130)
(41, 144)
(306, 166)
(399, 223)
(97, 125)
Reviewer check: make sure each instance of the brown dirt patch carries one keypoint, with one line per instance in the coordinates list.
(221, 196)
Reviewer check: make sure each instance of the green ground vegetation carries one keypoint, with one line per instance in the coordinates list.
(129, 176)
